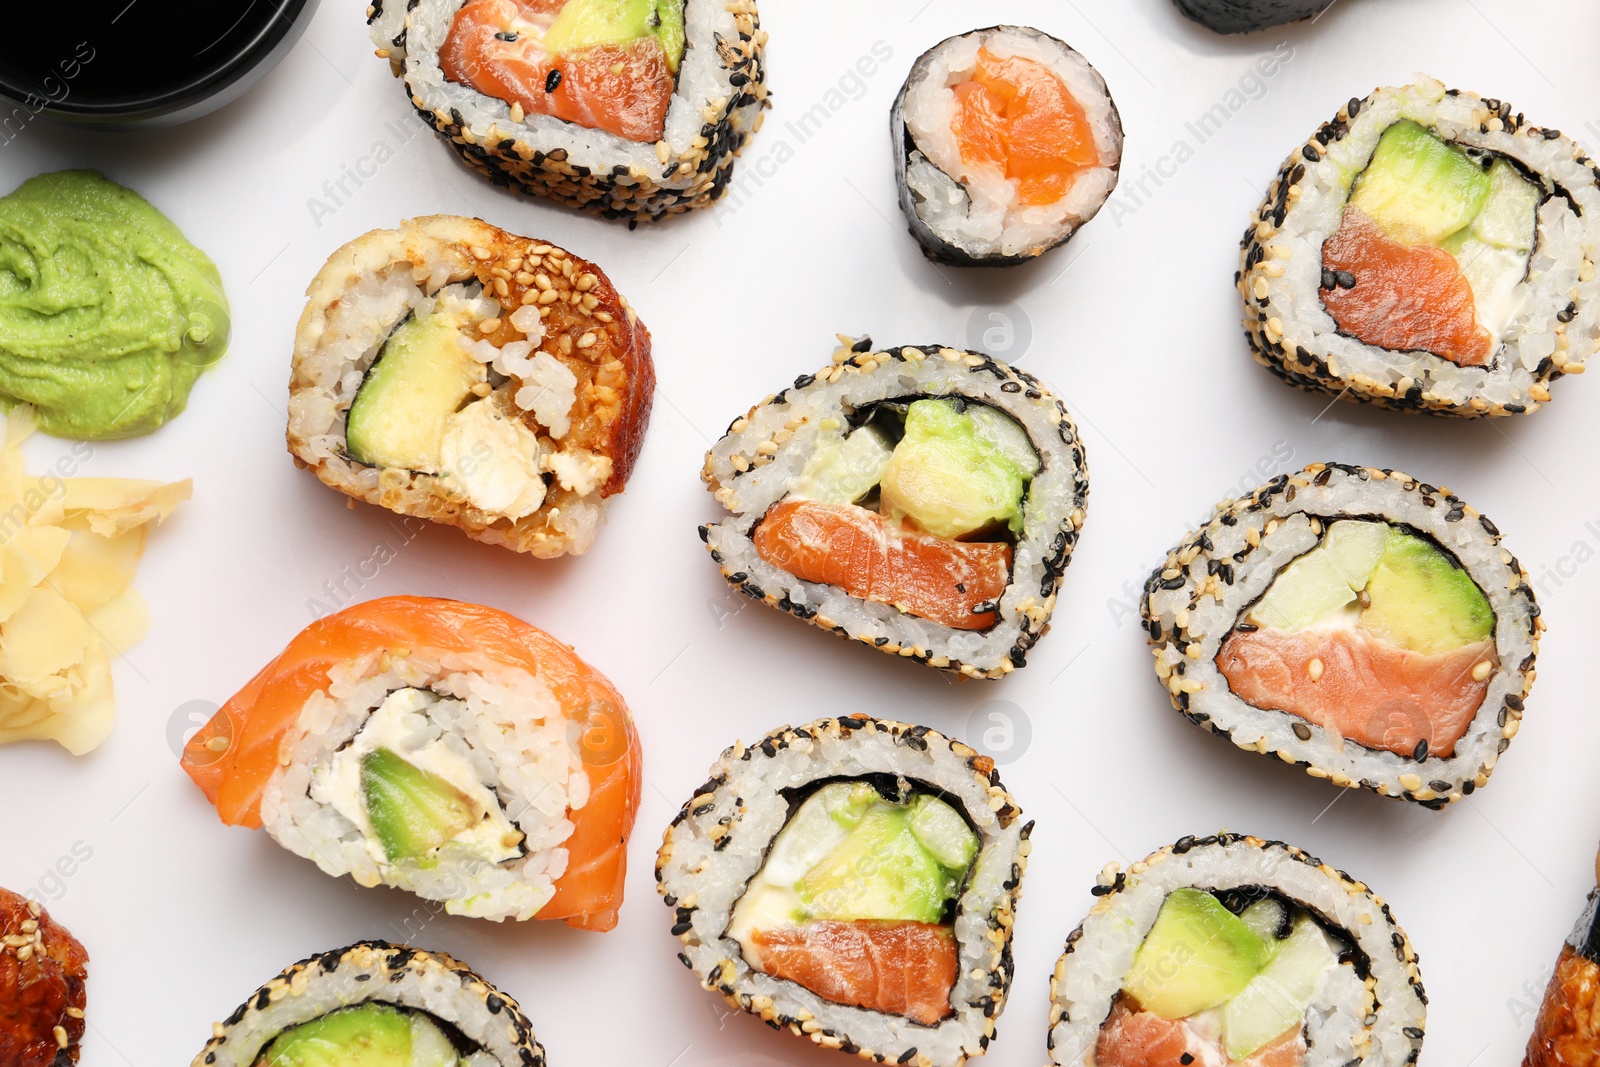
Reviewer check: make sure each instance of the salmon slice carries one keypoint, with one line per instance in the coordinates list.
(233, 756)
(1406, 297)
(1017, 115)
(1368, 690)
(873, 558)
(1142, 1039)
(898, 968)
(495, 46)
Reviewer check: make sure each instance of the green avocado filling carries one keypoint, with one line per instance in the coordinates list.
(421, 377)
(586, 24)
(108, 314)
(1255, 973)
(413, 812)
(367, 1035)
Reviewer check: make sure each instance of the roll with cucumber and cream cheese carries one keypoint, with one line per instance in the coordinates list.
(455, 372)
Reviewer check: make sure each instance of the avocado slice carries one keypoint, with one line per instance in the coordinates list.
(586, 24)
(1418, 188)
(421, 377)
(1509, 218)
(412, 811)
(941, 830)
(1198, 955)
(1265, 917)
(1324, 580)
(947, 477)
(1276, 999)
(368, 1035)
(880, 871)
(1422, 600)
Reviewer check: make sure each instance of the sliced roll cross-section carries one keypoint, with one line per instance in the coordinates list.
(443, 748)
(375, 1004)
(1006, 141)
(1428, 249)
(462, 374)
(853, 880)
(1234, 950)
(1357, 622)
(924, 501)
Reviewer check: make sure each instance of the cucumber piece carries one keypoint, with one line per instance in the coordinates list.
(1324, 580)
(1275, 1001)
(1007, 435)
(943, 832)
(841, 469)
(429, 1045)
(1198, 955)
(368, 1035)
(1265, 918)
(1418, 188)
(412, 811)
(421, 377)
(1509, 218)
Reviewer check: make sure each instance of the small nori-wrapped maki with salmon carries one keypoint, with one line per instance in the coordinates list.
(1356, 622)
(630, 109)
(1427, 250)
(1006, 141)
(1567, 1030)
(854, 881)
(377, 1005)
(1234, 950)
(455, 372)
(923, 501)
(1243, 16)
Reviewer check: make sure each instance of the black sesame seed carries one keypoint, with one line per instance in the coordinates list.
(1345, 278)
(1186, 1059)
(1421, 751)
(1310, 154)
(1353, 107)
(506, 35)
(1302, 731)
(1329, 278)
(552, 81)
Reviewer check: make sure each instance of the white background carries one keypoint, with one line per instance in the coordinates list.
(1135, 323)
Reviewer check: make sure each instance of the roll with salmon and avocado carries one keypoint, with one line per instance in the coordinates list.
(1235, 950)
(1006, 141)
(923, 501)
(458, 373)
(853, 881)
(1355, 622)
(631, 109)
(1427, 250)
(377, 1005)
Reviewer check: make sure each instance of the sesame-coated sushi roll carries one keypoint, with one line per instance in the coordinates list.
(462, 374)
(1234, 950)
(376, 1005)
(1005, 142)
(1567, 1030)
(42, 986)
(629, 110)
(1356, 622)
(923, 501)
(443, 748)
(853, 881)
(1427, 250)
(1242, 16)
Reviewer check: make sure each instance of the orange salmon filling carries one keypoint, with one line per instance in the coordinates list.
(1366, 689)
(1405, 298)
(898, 968)
(1017, 116)
(872, 557)
(495, 46)
(1132, 1038)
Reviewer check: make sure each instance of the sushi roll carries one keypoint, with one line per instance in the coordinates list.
(1566, 1032)
(1427, 250)
(631, 111)
(1355, 622)
(1005, 142)
(443, 748)
(1235, 950)
(853, 881)
(1242, 16)
(455, 372)
(42, 979)
(923, 501)
(376, 1005)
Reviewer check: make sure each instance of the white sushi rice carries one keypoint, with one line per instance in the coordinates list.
(1286, 283)
(503, 721)
(1377, 1021)
(976, 208)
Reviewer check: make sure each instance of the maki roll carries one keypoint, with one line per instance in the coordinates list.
(42, 979)
(377, 1005)
(1427, 250)
(462, 374)
(923, 501)
(443, 748)
(1005, 141)
(1567, 1030)
(1235, 950)
(1242, 16)
(853, 881)
(629, 110)
(1355, 622)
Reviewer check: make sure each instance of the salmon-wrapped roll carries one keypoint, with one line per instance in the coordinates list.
(1567, 1030)
(459, 373)
(440, 747)
(1355, 622)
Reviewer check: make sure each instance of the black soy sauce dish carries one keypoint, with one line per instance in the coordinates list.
(121, 64)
